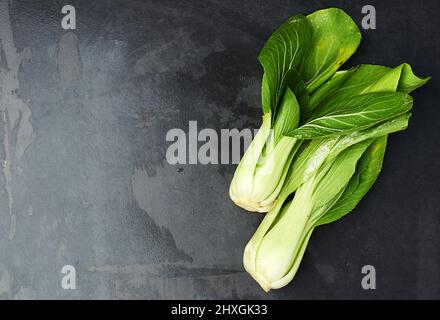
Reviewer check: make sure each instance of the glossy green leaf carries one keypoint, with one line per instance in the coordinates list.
(355, 113)
(335, 37)
(294, 81)
(409, 81)
(355, 82)
(307, 161)
(334, 177)
(315, 153)
(366, 78)
(326, 90)
(287, 117)
(367, 171)
(282, 52)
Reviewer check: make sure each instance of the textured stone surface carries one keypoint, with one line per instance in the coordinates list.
(84, 178)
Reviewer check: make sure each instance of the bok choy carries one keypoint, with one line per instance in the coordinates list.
(297, 58)
(322, 141)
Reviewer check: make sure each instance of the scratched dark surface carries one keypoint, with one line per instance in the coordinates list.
(84, 179)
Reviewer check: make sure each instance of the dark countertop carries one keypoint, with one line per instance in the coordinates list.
(87, 183)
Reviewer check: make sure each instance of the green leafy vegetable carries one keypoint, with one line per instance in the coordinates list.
(361, 80)
(282, 52)
(289, 60)
(354, 113)
(409, 81)
(335, 37)
(323, 138)
(271, 255)
(367, 171)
